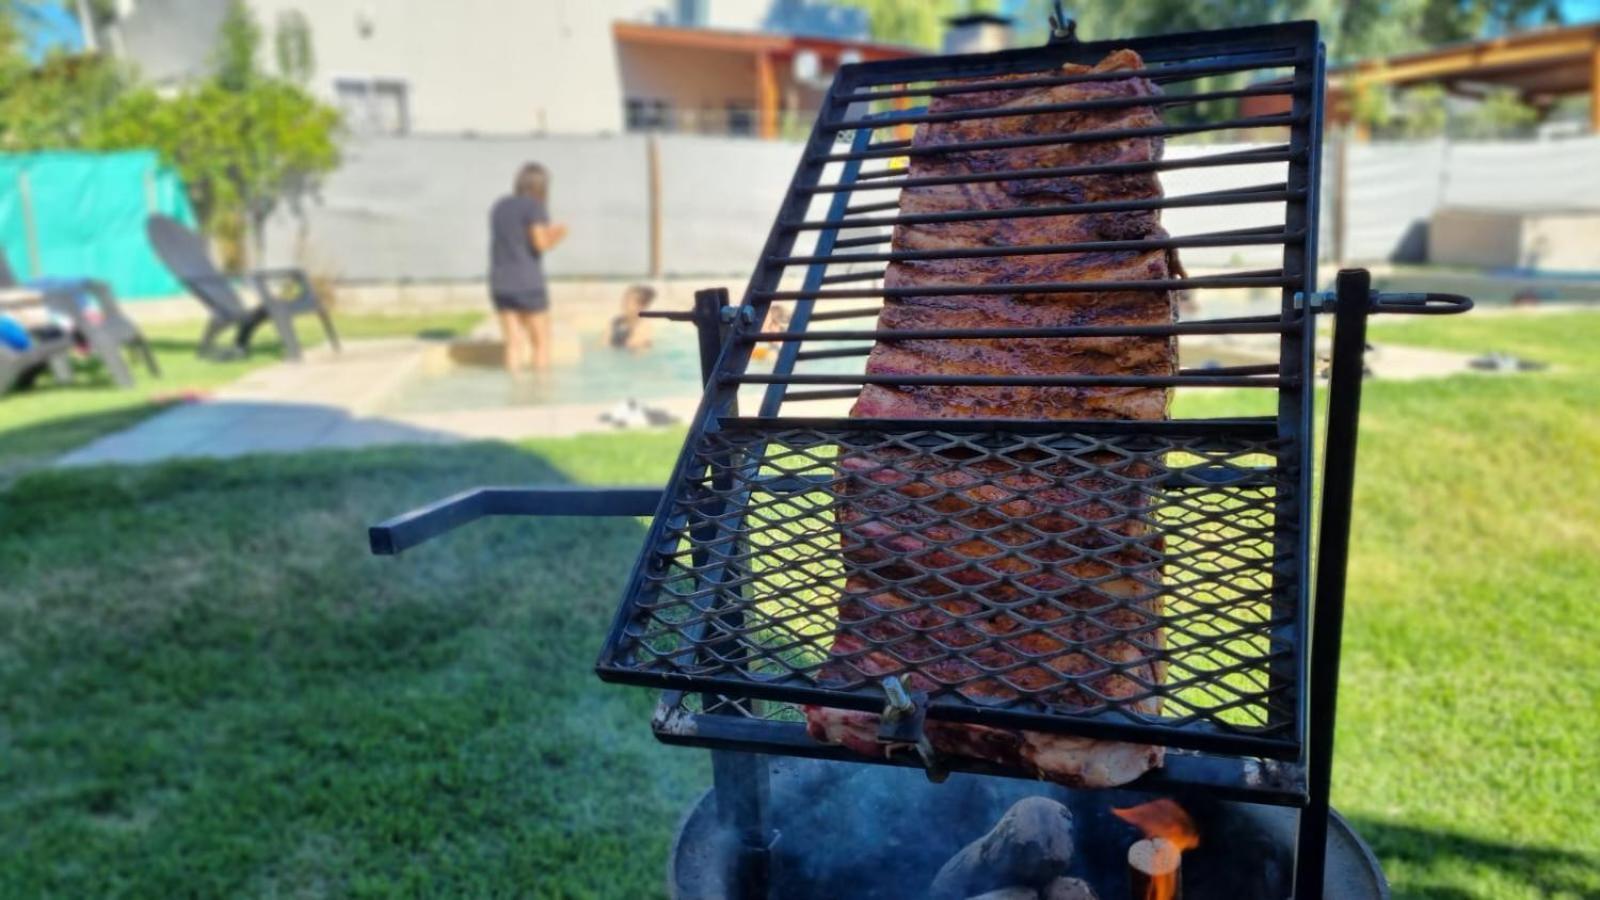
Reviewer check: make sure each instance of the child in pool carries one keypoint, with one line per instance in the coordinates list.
(629, 330)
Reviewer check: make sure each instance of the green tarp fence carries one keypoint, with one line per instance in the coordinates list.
(81, 215)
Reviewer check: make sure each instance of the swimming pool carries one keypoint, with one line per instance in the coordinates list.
(587, 372)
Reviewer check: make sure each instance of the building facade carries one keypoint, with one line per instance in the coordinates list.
(739, 67)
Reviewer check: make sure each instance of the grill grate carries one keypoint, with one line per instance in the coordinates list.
(1033, 572)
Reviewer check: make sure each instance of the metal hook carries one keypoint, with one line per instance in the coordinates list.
(900, 726)
(1063, 30)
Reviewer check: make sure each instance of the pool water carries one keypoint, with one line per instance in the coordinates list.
(594, 374)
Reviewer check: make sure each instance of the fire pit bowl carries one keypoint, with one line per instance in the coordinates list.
(847, 830)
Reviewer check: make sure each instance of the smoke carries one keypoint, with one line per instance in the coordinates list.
(870, 832)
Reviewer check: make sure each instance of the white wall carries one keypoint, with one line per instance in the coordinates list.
(1395, 187)
(493, 67)
(735, 15)
(417, 208)
(487, 66)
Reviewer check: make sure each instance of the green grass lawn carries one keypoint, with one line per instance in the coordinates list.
(50, 419)
(209, 689)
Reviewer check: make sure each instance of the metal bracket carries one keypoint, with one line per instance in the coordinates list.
(1316, 301)
(1412, 303)
(900, 726)
(1063, 29)
(742, 315)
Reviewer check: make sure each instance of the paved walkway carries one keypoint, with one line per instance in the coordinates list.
(334, 401)
(331, 401)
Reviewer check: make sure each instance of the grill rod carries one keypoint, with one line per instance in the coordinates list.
(1043, 287)
(1108, 103)
(1277, 236)
(1137, 381)
(874, 239)
(1275, 193)
(906, 148)
(1240, 325)
(1167, 74)
(869, 180)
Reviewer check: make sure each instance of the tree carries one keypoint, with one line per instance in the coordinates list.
(53, 103)
(243, 141)
(291, 41)
(1426, 113)
(1353, 29)
(58, 102)
(234, 62)
(239, 153)
(915, 23)
(1445, 21)
(1501, 113)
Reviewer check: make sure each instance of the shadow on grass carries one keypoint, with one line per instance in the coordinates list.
(213, 689)
(1550, 872)
(29, 446)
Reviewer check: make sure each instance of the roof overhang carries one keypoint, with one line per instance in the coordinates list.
(751, 42)
(1549, 61)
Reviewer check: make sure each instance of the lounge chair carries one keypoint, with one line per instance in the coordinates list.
(105, 334)
(18, 368)
(185, 255)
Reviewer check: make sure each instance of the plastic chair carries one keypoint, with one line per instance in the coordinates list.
(185, 255)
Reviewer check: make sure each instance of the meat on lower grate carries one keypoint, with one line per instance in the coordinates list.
(1073, 633)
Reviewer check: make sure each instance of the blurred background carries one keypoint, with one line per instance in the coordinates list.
(211, 690)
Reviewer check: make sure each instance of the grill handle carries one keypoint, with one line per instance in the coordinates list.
(1422, 304)
(407, 530)
(1410, 304)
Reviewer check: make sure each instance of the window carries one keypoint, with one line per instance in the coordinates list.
(374, 105)
(741, 119)
(648, 115)
(691, 13)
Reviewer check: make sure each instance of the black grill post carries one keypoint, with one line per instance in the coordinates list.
(708, 307)
(739, 779)
(741, 787)
(1352, 302)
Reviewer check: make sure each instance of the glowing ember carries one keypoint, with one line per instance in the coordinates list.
(1169, 831)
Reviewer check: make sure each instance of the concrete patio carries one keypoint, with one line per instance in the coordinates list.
(343, 401)
(332, 401)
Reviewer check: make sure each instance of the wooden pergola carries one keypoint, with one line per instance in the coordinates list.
(1542, 66)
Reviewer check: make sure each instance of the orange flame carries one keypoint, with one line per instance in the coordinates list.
(1164, 820)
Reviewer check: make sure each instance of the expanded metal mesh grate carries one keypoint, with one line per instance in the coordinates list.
(1135, 580)
(1035, 571)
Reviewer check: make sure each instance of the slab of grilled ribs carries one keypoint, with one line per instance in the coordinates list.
(1075, 633)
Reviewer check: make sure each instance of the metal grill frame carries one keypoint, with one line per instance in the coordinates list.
(1292, 45)
(712, 713)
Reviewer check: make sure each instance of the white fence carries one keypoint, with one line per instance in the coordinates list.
(415, 208)
(1391, 189)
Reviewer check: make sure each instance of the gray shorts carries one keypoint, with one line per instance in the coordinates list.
(530, 302)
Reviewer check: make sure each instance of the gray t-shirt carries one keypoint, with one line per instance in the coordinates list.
(515, 267)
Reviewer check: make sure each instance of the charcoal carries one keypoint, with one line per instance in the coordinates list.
(1030, 845)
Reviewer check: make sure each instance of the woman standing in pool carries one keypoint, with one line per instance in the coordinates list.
(520, 233)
